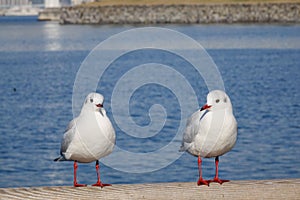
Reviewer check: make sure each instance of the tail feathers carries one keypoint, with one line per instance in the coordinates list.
(184, 146)
(61, 158)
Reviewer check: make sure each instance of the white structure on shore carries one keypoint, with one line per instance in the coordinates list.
(33, 7)
(9, 3)
(52, 4)
(77, 2)
(19, 8)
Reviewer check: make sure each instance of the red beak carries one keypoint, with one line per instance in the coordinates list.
(205, 107)
(99, 105)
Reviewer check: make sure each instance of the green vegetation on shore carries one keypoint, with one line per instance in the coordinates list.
(176, 2)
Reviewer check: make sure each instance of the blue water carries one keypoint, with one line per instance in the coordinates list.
(259, 65)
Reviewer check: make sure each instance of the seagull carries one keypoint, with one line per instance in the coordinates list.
(88, 137)
(211, 132)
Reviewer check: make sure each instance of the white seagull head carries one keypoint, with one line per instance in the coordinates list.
(94, 102)
(217, 100)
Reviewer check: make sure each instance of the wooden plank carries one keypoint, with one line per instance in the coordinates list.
(262, 189)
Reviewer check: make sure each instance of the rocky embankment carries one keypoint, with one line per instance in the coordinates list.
(191, 14)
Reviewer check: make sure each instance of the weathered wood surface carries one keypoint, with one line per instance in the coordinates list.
(263, 189)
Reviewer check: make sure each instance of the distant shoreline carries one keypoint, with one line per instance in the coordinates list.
(180, 13)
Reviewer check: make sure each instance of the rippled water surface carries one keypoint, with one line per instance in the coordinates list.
(259, 65)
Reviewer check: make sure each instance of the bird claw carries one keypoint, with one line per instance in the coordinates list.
(99, 184)
(79, 185)
(202, 182)
(217, 180)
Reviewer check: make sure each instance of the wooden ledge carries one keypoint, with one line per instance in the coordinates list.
(262, 189)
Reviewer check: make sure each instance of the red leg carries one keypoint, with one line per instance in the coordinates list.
(201, 181)
(75, 179)
(216, 178)
(99, 183)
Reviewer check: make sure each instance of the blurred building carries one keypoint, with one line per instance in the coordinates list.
(77, 2)
(52, 4)
(12, 3)
(20, 7)
(15, 2)
(47, 3)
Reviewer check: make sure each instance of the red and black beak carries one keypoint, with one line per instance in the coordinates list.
(99, 105)
(205, 107)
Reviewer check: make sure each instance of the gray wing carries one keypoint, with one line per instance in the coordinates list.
(68, 137)
(191, 129)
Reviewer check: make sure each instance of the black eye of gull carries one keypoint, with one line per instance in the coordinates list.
(91, 100)
(218, 100)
